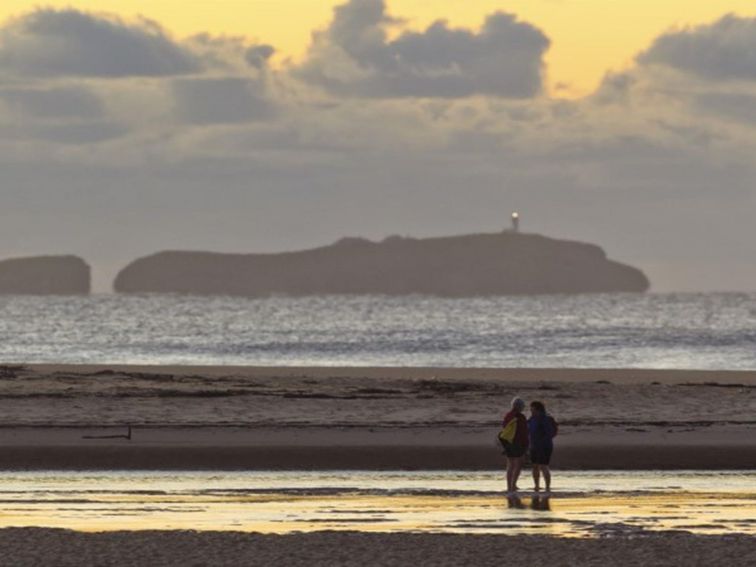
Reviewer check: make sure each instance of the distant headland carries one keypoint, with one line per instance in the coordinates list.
(45, 275)
(503, 263)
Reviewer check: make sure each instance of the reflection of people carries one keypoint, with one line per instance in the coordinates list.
(540, 502)
(542, 429)
(516, 450)
(514, 501)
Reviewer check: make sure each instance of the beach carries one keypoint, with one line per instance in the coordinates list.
(78, 417)
(62, 548)
(178, 421)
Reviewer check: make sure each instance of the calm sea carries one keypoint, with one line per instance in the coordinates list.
(701, 331)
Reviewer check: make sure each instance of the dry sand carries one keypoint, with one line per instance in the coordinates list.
(370, 418)
(33, 547)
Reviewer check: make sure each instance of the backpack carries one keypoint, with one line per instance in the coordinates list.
(507, 434)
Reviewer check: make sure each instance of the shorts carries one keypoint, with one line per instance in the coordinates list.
(514, 451)
(541, 455)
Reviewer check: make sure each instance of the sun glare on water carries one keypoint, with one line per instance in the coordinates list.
(451, 502)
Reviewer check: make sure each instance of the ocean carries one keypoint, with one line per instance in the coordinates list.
(684, 331)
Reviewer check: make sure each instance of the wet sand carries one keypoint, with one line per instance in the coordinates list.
(583, 504)
(33, 546)
(74, 417)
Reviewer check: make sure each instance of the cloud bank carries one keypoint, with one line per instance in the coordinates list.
(54, 43)
(354, 56)
(723, 50)
(230, 100)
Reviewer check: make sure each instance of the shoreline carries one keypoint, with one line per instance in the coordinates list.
(551, 374)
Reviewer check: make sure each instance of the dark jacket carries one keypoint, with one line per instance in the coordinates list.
(541, 430)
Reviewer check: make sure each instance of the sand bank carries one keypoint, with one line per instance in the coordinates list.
(372, 418)
(32, 547)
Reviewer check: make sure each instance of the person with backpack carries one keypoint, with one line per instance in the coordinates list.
(514, 439)
(542, 428)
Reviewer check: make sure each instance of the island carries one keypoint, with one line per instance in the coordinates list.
(505, 263)
(45, 275)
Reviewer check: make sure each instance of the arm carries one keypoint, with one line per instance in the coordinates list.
(548, 427)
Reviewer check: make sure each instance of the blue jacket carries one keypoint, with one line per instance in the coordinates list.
(541, 431)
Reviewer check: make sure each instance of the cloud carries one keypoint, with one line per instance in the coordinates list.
(53, 43)
(80, 132)
(738, 107)
(614, 88)
(56, 135)
(257, 55)
(220, 100)
(393, 131)
(723, 50)
(58, 115)
(56, 81)
(54, 102)
(355, 57)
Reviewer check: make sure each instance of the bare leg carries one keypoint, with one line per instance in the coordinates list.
(537, 476)
(510, 474)
(547, 477)
(516, 469)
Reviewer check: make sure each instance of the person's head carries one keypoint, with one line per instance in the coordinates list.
(518, 405)
(537, 408)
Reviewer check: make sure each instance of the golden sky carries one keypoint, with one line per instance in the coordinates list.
(588, 37)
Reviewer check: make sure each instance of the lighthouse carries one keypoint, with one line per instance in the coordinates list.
(515, 222)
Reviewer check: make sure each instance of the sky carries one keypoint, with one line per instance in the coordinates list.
(589, 36)
(132, 127)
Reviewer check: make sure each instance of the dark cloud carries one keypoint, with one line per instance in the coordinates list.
(354, 56)
(257, 55)
(47, 43)
(725, 49)
(220, 100)
(54, 102)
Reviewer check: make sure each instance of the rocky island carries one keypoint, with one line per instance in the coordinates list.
(45, 275)
(505, 263)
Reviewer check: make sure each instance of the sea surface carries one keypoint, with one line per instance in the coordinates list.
(584, 504)
(685, 331)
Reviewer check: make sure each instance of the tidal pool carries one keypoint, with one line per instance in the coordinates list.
(583, 504)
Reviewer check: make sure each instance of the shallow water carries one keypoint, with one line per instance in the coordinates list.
(583, 504)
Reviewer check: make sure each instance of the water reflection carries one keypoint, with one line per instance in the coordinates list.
(540, 502)
(514, 501)
(281, 502)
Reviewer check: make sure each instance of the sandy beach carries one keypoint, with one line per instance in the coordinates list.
(32, 547)
(75, 417)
